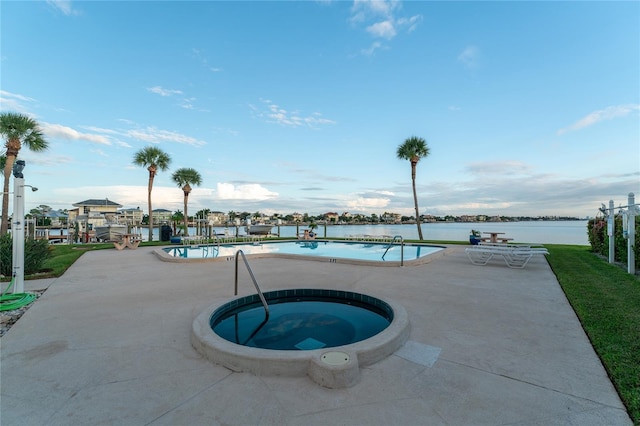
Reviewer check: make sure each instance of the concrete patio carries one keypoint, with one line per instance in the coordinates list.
(109, 343)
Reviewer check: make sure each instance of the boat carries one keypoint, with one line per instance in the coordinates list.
(111, 230)
(258, 229)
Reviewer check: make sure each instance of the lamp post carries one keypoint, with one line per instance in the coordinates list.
(17, 226)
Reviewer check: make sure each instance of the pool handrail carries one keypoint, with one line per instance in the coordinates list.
(253, 278)
(401, 248)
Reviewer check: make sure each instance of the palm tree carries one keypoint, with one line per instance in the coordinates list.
(414, 149)
(153, 159)
(18, 130)
(184, 178)
(176, 217)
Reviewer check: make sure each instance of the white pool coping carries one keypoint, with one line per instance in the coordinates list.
(290, 363)
(166, 257)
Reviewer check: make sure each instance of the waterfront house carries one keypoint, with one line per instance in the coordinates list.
(93, 212)
(161, 216)
(130, 216)
(94, 209)
(391, 217)
(217, 218)
(332, 217)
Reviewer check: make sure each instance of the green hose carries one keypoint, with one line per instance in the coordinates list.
(9, 302)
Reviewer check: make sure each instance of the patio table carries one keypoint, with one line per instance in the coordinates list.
(494, 236)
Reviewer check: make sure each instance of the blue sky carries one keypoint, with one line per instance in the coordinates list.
(528, 108)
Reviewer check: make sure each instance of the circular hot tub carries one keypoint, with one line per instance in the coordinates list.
(301, 319)
(326, 334)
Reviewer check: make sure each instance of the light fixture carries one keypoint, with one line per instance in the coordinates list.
(18, 167)
(17, 227)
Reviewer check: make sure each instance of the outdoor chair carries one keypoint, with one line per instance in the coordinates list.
(514, 256)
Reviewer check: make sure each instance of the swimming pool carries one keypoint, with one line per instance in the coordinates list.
(331, 251)
(301, 319)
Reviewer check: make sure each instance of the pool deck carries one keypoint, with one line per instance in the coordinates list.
(109, 343)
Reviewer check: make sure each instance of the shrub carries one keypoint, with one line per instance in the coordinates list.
(36, 252)
(597, 230)
(599, 240)
(6, 250)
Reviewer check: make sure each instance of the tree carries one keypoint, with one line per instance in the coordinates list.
(153, 159)
(18, 130)
(414, 149)
(41, 213)
(176, 217)
(184, 178)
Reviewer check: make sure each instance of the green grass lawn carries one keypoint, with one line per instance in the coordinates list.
(605, 298)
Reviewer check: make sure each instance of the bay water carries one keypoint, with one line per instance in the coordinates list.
(538, 232)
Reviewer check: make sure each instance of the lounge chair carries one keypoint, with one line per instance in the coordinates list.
(514, 256)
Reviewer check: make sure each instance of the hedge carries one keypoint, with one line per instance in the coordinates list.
(35, 254)
(599, 240)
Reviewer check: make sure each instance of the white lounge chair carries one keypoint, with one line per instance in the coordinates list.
(513, 255)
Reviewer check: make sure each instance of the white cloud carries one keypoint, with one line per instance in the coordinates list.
(367, 9)
(169, 197)
(164, 92)
(154, 135)
(6, 94)
(608, 113)
(506, 167)
(362, 204)
(276, 114)
(12, 101)
(64, 132)
(380, 20)
(316, 119)
(469, 56)
(63, 6)
(187, 103)
(100, 130)
(372, 49)
(50, 160)
(110, 137)
(199, 55)
(384, 29)
(229, 191)
(410, 23)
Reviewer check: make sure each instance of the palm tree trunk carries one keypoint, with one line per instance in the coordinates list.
(415, 198)
(186, 215)
(150, 217)
(149, 205)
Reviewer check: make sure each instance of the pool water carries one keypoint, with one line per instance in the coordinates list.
(332, 249)
(301, 322)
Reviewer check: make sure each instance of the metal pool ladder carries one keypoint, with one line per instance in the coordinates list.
(397, 237)
(253, 278)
